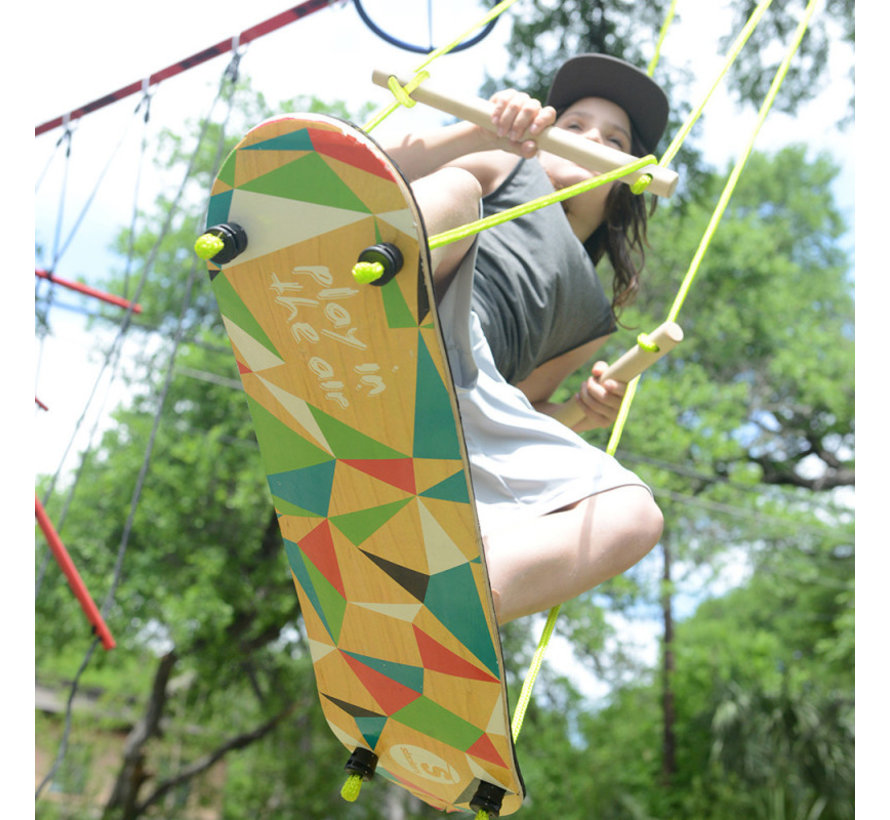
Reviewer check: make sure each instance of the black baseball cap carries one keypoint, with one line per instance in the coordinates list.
(599, 75)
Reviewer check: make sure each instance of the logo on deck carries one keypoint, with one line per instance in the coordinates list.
(424, 763)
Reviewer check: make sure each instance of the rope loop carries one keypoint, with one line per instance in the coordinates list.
(403, 93)
(67, 133)
(145, 100)
(641, 184)
(351, 788)
(231, 71)
(645, 342)
(367, 272)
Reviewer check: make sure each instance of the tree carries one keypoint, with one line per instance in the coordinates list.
(745, 434)
(752, 73)
(544, 32)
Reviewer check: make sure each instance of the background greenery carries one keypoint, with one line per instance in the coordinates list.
(745, 434)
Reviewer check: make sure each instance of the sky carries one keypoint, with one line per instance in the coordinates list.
(81, 51)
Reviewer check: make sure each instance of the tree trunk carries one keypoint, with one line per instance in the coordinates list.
(123, 802)
(668, 742)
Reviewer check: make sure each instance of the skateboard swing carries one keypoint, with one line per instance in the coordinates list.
(454, 748)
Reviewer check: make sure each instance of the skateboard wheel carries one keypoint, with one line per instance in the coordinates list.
(385, 255)
(233, 241)
(488, 799)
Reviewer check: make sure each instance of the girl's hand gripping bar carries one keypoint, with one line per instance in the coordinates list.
(663, 339)
(587, 154)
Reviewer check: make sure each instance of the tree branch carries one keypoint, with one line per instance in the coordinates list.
(202, 764)
(780, 473)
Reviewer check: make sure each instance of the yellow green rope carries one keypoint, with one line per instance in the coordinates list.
(472, 228)
(733, 179)
(207, 246)
(417, 79)
(731, 57)
(624, 411)
(402, 96)
(495, 11)
(366, 272)
(661, 35)
(532, 675)
(351, 788)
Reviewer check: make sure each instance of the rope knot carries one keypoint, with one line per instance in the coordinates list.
(366, 272)
(641, 184)
(644, 181)
(645, 342)
(403, 93)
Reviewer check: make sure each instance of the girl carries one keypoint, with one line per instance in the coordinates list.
(521, 309)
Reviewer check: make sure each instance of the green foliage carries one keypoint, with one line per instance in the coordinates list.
(753, 72)
(742, 432)
(764, 725)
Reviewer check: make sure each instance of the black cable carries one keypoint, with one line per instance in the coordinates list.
(405, 46)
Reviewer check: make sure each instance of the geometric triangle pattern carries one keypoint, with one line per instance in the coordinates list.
(353, 408)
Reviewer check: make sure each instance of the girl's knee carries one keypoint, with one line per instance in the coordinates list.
(448, 198)
(655, 522)
(637, 519)
(648, 522)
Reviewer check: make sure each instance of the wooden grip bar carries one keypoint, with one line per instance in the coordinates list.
(583, 152)
(665, 338)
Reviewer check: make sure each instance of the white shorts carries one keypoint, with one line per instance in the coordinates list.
(522, 462)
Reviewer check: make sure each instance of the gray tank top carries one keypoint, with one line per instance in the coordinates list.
(536, 290)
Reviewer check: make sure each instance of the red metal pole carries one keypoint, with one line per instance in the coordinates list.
(252, 33)
(86, 289)
(77, 585)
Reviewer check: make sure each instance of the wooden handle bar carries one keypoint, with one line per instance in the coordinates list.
(587, 154)
(665, 337)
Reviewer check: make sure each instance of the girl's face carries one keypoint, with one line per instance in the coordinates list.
(598, 120)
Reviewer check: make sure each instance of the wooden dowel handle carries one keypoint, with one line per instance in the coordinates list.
(587, 154)
(665, 337)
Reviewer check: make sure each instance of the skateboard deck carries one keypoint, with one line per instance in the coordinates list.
(358, 428)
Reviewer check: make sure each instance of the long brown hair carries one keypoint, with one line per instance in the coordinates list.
(622, 237)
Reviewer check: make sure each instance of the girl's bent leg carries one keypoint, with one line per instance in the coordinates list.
(551, 559)
(447, 199)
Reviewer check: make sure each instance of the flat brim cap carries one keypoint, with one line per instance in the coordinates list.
(599, 75)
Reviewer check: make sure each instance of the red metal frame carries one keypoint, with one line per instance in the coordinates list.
(74, 580)
(87, 290)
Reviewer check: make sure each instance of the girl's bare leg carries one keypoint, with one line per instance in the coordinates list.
(447, 199)
(553, 558)
(549, 560)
